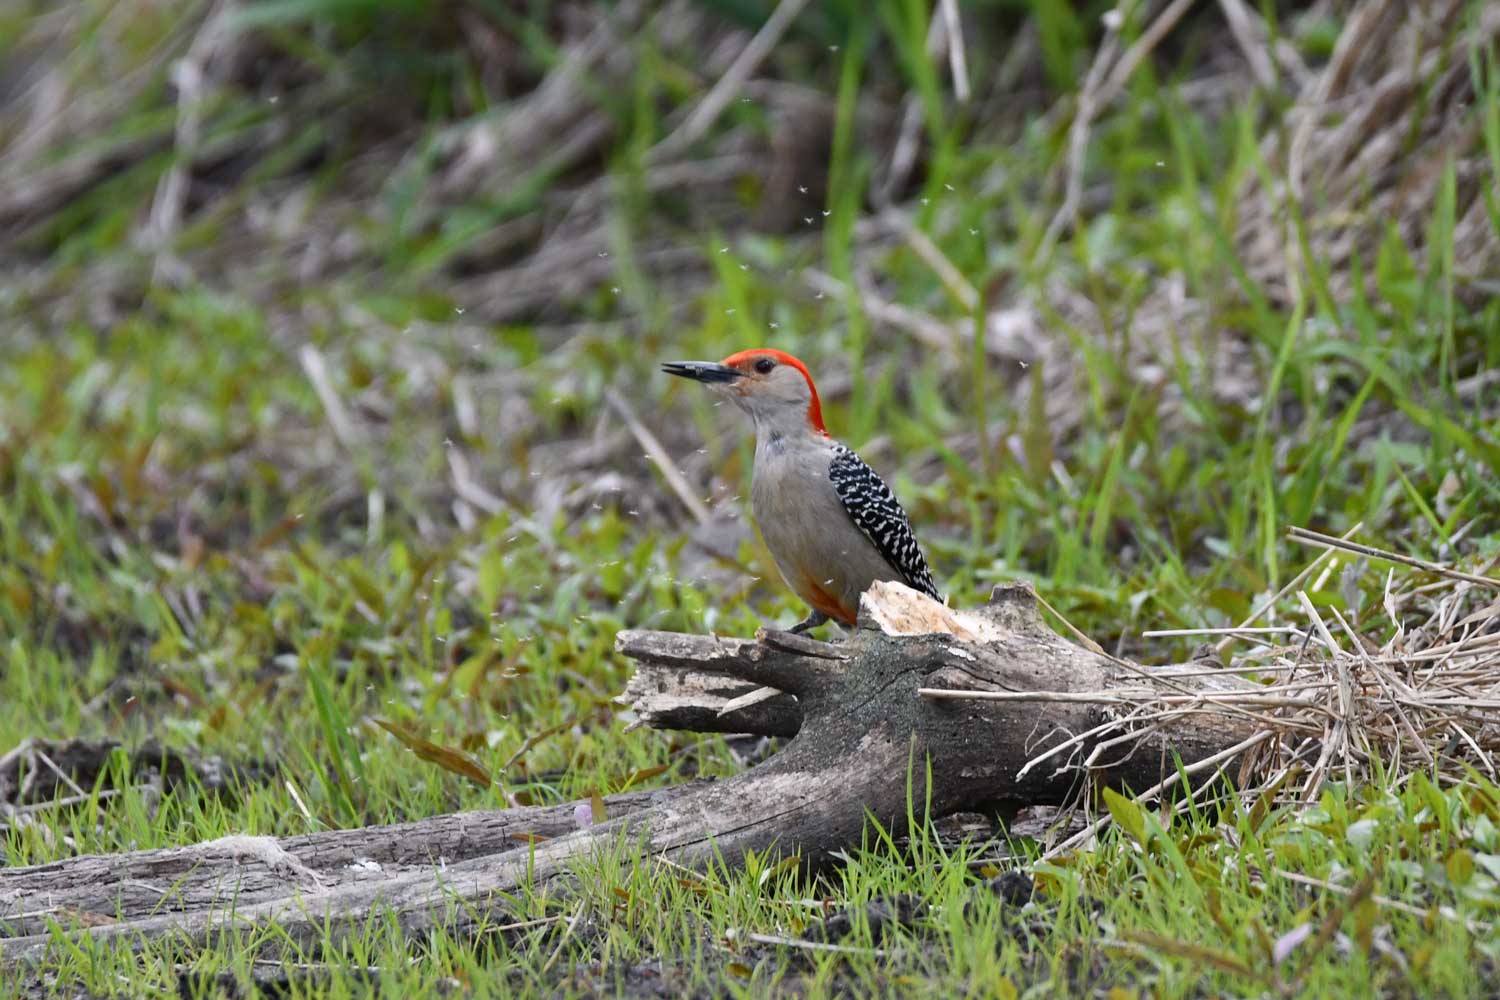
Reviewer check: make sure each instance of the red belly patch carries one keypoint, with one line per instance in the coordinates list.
(821, 600)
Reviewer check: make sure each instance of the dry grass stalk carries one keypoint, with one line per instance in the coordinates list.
(1370, 141)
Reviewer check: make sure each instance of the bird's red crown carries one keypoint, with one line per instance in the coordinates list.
(745, 361)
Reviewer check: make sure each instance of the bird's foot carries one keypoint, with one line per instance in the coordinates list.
(811, 621)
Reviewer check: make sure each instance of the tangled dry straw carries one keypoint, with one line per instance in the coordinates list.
(1412, 685)
(1367, 147)
(1422, 696)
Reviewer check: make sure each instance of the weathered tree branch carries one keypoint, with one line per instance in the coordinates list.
(105, 888)
(865, 742)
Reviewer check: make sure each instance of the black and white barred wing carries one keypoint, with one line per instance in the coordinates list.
(875, 510)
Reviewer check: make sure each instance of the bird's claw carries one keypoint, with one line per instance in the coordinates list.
(810, 622)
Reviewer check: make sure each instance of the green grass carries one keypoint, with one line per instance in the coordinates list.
(188, 553)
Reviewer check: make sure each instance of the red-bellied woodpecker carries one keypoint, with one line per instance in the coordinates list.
(831, 524)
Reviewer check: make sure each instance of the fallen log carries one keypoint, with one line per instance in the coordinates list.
(921, 704)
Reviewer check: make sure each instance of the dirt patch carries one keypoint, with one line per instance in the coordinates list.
(38, 772)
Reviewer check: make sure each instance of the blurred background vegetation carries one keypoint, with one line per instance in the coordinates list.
(327, 365)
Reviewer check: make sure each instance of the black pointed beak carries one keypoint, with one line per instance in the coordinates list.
(702, 371)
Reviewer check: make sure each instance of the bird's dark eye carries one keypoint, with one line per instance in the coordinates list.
(764, 366)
